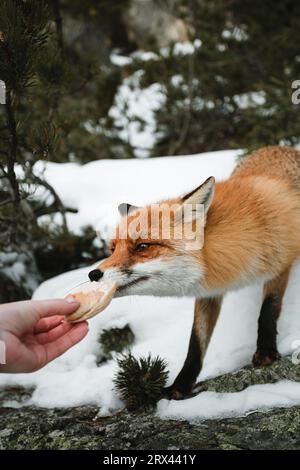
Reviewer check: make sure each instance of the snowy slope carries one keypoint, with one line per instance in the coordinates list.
(98, 187)
(161, 326)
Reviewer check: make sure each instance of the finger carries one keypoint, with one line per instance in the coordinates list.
(47, 308)
(31, 311)
(62, 344)
(46, 324)
(54, 333)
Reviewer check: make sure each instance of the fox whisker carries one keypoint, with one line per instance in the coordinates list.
(75, 287)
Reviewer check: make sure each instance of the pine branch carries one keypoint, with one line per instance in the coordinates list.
(140, 381)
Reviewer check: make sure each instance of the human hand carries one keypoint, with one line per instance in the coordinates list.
(34, 332)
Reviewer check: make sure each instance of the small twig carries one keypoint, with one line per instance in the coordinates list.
(12, 158)
(52, 209)
(7, 201)
(58, 23)
(58, 202)
(2, 168)
(188, 112)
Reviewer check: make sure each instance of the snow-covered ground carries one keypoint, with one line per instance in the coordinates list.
(161, 326)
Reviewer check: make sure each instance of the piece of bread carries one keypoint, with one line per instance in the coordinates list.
(92, 301)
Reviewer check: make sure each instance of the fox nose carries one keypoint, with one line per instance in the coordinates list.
(95, 275)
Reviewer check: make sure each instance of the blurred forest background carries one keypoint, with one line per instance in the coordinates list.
(94, 79)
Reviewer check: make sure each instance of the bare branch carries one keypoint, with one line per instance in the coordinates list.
(52, 209)
(7, 201)
(57, 201)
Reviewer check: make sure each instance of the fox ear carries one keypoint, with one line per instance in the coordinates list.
(126, 209)
(202, 195)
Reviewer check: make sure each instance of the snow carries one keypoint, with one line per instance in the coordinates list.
(133, 112)
(144, 56)
(181, 48)
(177, 80)
(19, 268)
(178, 48)
(161, 326)
(246, 100)
(215, 405)
(120, 60)
(97, 188)
(239, 34)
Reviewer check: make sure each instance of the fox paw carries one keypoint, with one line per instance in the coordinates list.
(176, 392)
(265, 357)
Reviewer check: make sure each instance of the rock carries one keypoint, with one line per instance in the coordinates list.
(77, 428)
(82, 428)
(6, 432)
(148, 23)
(238, 381)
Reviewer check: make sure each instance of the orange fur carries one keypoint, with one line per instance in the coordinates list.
(253, 225)
(252, 229)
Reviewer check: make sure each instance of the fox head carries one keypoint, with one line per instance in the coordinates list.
(157, 249)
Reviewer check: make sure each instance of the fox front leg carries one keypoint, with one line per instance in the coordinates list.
(206, 314)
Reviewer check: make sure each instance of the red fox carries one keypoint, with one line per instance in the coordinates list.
(251, 233)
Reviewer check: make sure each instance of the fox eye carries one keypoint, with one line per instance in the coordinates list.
(142, 246)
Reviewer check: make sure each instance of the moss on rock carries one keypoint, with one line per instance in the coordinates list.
(82, 428)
